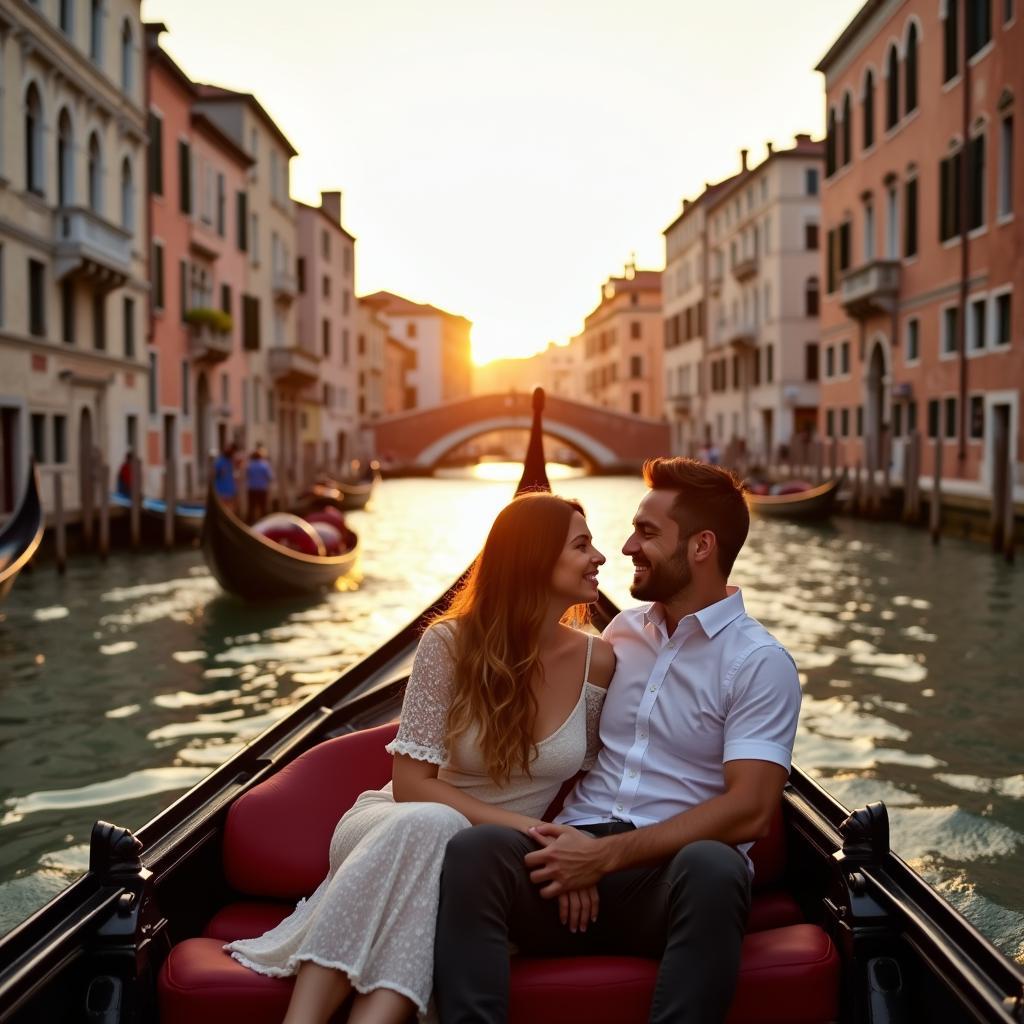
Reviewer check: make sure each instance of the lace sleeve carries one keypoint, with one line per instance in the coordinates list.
(595, 701)
(424, 720)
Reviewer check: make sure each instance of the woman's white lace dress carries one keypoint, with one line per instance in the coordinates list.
(373, 916)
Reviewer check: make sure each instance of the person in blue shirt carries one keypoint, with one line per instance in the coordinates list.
(224, 476)
(258, 476)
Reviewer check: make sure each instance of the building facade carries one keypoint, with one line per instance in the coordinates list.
(371, 362)
(73, 370)
(922, 317)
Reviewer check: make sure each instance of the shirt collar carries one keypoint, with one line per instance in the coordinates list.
(712, 619)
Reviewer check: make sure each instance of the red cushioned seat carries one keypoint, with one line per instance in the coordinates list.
(275, 849)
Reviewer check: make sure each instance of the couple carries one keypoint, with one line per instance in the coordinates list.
(433, 876)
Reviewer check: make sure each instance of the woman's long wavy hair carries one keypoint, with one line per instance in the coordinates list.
(499, 611)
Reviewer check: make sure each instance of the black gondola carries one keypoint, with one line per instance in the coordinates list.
(255, 568)
(22, 534)
(135, 938)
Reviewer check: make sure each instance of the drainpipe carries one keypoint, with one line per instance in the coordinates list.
(965, 263)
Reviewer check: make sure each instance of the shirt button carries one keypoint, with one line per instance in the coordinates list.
(618, 807)
(643, 735)
(632, 774)
(654, 689)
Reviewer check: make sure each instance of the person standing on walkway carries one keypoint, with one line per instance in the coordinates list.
(258, 477)
(224, 476)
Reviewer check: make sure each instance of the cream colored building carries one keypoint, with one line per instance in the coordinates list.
(371, 362)
(761, 360)
(73, 291)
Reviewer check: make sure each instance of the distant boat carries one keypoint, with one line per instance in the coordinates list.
(188, 515)
(252, 566)
(345, 497)
(813, 503)
(22, 534)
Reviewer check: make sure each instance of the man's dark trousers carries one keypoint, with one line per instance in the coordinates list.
(690, 913)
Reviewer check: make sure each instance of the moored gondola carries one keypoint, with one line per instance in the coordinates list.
(813, 503)
(22, 534)
(188, 515)
(254, 567)
(345, 497)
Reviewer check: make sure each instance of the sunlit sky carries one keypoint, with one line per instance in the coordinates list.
(502, 159)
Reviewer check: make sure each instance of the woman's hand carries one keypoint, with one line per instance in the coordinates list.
(577, 909)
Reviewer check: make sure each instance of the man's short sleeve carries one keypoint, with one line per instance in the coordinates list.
(761, 718)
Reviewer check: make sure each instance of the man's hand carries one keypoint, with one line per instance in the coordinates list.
(570, 860)
(578, 909)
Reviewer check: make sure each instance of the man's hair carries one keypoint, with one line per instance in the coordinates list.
(707, 498)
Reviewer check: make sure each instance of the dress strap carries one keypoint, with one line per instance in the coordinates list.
(586, 668)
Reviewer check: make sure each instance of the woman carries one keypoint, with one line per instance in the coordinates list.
(502, 706)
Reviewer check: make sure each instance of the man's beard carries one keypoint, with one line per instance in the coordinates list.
(666, 580)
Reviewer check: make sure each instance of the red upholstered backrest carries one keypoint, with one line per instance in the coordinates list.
(277, 835)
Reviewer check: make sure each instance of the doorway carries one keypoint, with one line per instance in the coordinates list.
(85, 458)
(8, 455)
(874, 406)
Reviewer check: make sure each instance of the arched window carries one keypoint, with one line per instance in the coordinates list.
(127, 55)
(910, 68)
(892, 88)
(811, 297)
(868, 109)
(95, 175)
(127, 196)
(65, 160)
(96, 31)
(847, 129)
(830, 143)
(33, 140)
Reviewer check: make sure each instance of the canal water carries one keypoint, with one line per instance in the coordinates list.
(123, 684)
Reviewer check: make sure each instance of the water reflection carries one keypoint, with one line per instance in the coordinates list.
(127, 682)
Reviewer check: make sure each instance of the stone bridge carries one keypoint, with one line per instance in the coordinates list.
(610, 442)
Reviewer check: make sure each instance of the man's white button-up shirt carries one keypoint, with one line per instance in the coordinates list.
(721, 688)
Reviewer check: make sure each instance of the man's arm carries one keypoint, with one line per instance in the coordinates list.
(572, 860)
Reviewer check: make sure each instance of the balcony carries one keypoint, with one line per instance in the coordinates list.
(284, 284)
(92, 248)
(681, 405)
(715, 279)
(745, 268)
(871, 289)
(293, 367)
(742, 335)
(208, 345)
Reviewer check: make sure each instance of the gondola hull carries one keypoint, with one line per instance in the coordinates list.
(22, 535)
(188, 515)
(813, 504)
(255, 568)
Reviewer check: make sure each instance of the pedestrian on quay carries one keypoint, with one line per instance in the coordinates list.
(258, 476)
(124, 474)
(224, 476)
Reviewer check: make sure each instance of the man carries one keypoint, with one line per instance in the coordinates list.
(258, 477)
(648, 856)
(224, 475)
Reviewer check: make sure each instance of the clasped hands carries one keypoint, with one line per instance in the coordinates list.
(568, 865)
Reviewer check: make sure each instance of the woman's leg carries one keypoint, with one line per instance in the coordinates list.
(382, 1006)
(318, 992)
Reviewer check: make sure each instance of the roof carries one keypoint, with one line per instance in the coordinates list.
(690, 204)
(218, 94)
(804, 147)
(397, 305)
(221, 138)
(156, 54)
(326, 216)
(847, 36)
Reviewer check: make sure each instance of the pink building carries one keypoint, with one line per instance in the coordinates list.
(923, 316)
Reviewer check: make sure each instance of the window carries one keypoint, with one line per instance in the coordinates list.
(65, 160)
(810, 181)
(325, 333)
(635, 403)
(410, 329)
(869, 231)
(910, 218)
(811, 360)
(636, 367)
(897, 419)
(830, 362)
(129, 327)
(892, 223)
(325, 287)
(67, 14)
(812, 301)
(910, 69)
(95, 174)
(1001, 323)
(300, 274)
(860, 420)
(36, 299)
(830, 423)
(254, 239)
(911, 416)
(844, 422)
(250, 322)
(976, 183)
(892, 88)
(950, 417)
(913, 349)
(60, 438)
(844, 358)
(221, 205)
(185, 386)
(1005, 187)
(949, 196)
(344, 346)
(868, 110)
(811, 236)
(769, 369)
(157, 271)
(635, 329)
(99, 321)
(977, 25)
(156, 154)
(225, 297)
(976, 324)
(830, 143)
(183, 302)
(96, 31)
(33, 141)
(152, 384)
(67, 311)
(325, 245)
(127, 58)
(950, 342)
(977, 414)
(184, 176)
(127, 196)
(39, 437)
(131, 431)
(847, 129)
(950, 40)
(242, 220)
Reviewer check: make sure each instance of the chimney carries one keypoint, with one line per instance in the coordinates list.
(770, 146)
(802, 139)
(686, 205)
(744, 153)
(330, 203)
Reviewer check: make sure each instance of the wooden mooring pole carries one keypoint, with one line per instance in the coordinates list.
(104, 538)
(935, 510)
(88, 492)
(833, 458)
(60, 533)
(135, 512)
(170, 500)
(1003, 512)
